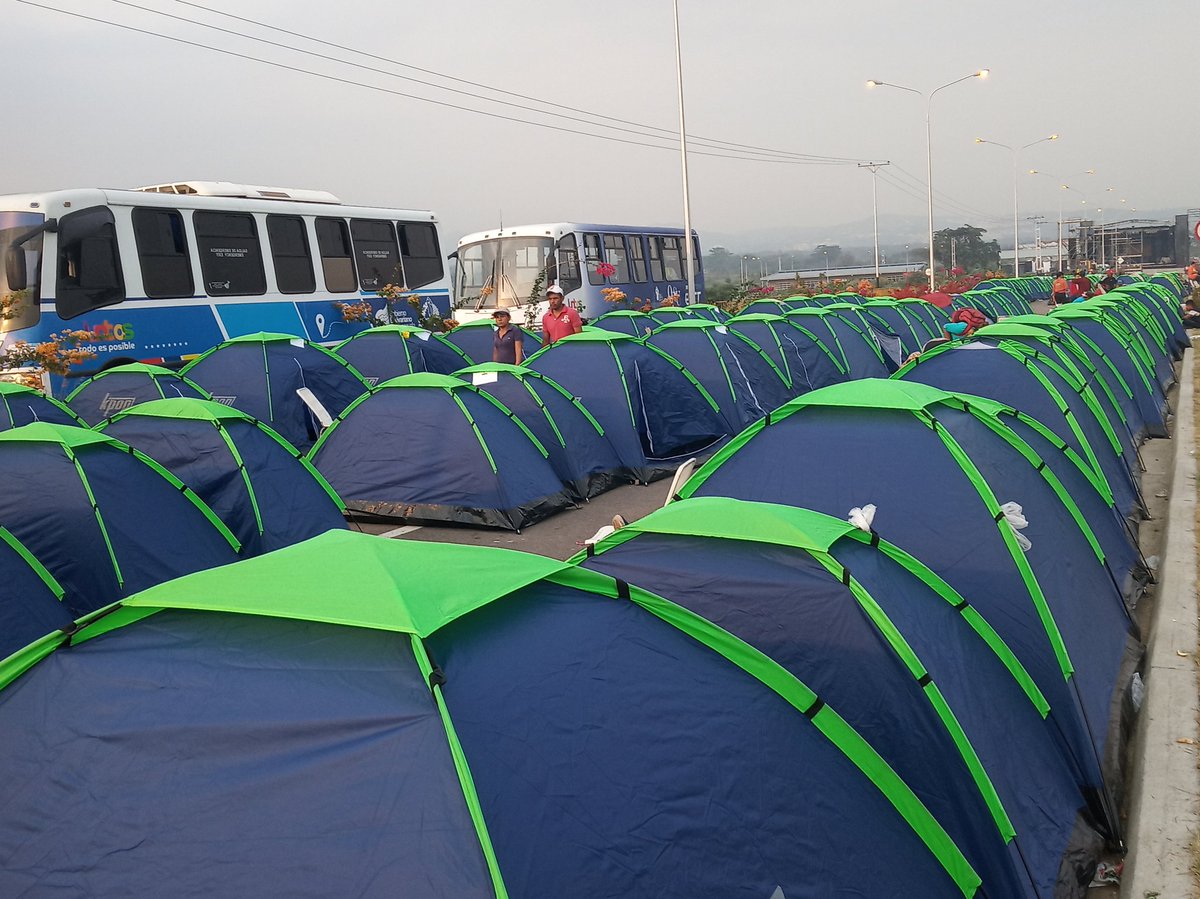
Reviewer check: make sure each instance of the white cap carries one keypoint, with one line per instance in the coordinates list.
(554, 288)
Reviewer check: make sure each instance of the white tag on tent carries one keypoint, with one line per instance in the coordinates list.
(484, 377)
(423, 335)
(977, 345)
(721, 329)
(862, 518)
(296, 342)
(1015, 516)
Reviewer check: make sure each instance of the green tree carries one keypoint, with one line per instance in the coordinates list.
(970, 251)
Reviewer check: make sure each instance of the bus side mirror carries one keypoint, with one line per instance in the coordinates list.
(14, 269)
(98, 264)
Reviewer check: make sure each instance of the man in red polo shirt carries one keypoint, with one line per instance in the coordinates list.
(561, 321)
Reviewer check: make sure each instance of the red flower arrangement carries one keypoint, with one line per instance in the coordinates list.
(606, 270)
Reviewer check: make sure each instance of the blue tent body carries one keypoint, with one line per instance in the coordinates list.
(940, 498)
(776, 577)
(475, 339)
(853, 346)
(31, 601)
(104, 520)
(261, 374)
(653, 412)
(429, 447)
(379, 354)
(124, 386)
(806, 363)
(664, 314)
(582, 457)
(709, 311)
(625, 321)
(1026, 381)
(21, 405)
(733, 368)
(912, 330)
(264, 490)
(768, 307)
(519, 731)
(1115, 342)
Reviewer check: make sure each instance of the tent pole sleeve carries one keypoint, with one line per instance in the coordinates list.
(10, 539)
(87, 487)
(237, 457)
(466, 782)
(1031, 583)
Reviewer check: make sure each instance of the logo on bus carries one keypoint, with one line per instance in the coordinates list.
(107, 331)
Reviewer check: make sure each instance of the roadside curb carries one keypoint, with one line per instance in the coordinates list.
(1164, 815)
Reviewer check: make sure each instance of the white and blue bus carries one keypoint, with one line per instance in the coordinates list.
(162, 273)
(511, 267)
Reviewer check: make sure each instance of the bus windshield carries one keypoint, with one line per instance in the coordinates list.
(22, 264)
(503, 272)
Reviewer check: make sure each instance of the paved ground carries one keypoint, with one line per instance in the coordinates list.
(1164, 795)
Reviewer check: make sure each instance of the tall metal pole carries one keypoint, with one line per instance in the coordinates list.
(1016, 223)
(687, 205)
(929, 186)
(874, 167)
(1060, 265)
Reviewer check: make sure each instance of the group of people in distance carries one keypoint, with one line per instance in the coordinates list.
(559, 321)
(1079, 288)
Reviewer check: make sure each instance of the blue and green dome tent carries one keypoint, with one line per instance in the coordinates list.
(913, 667)
(124, 386)
(1113, 339)
(262, 373)
(578, 451)
(379, 354)
(330, 719)
(805, 362)
(735, 371)
(850, 342)
(653, 411)
(942, 497)
(709, 311)
(1036, 383)
(428, 447)
(475, 338)
(103, 519)
(769, 307)
(21, 405)
(256, 482)
(664, 314)
(625, 321)
(913, 330)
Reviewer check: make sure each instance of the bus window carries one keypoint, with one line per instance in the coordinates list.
(672, 264)
(656, 258)
(592, 258)
(89, 265)
(637, 255)
(290, 254)
(230, 255)
(696, 259)
(420, 252)
(333, 243)
(163, 253)
(568, 276)
(377, 254)
(614, 255)
(20, 293)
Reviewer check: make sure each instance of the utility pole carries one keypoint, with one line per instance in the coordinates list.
(687, 203)
(875, 167)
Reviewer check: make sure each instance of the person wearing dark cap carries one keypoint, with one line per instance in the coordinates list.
(506, 343)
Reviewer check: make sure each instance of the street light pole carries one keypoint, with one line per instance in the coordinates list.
(687, 207)
(982, 73)
(1016, 151)
(875, 167)
(1061, 188)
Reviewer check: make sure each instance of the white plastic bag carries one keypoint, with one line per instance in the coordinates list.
(1015, 516)
(863, 517)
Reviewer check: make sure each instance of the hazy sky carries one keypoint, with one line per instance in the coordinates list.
(92, 105)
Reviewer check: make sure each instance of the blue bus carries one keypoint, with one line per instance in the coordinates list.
(511, 267)
(162, 273)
